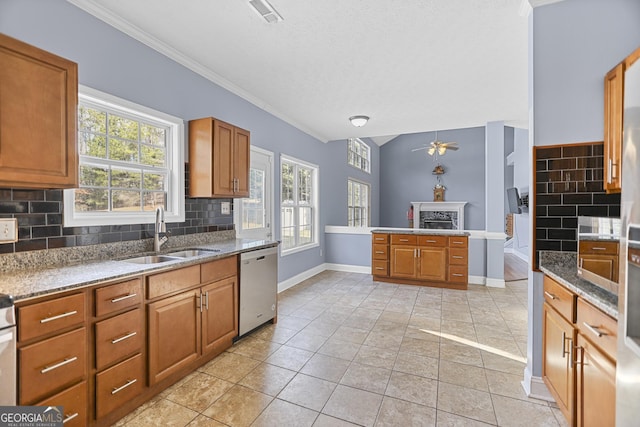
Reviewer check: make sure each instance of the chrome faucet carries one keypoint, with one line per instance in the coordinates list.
(161, 235)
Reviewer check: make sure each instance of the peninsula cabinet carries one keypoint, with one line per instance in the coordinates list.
(218, 159)
(421, 259)
(38, 115)
(600, 258)
(579, 357)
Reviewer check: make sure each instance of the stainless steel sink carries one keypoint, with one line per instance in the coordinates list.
(151, 259)
(190, 253)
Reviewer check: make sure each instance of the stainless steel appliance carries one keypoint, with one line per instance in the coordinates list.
(7, 351)
(258, 288)
(628, 363)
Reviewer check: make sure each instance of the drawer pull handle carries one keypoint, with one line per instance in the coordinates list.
(458, 274)
(550, 295)
(206, 296)
(58, 365)
(404, 240)
(458, 243)
(379, 252)
(122, 298)
(595, 331)
(458, 257)
(117, 340)
(597, 248)
(59, 316)
(431, 241)
(69, 418)
(122, 387)
(379, 268)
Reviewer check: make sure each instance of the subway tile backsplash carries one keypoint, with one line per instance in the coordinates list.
(40, 225)
(569, 183)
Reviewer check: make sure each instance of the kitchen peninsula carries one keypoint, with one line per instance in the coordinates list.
(423, 257)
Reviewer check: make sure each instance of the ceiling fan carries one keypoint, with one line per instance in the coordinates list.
(439, 147)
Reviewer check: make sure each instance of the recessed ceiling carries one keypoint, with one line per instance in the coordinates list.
(411, 65)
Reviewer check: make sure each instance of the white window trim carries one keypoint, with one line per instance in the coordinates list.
(368, 202)
(361, 142)
(175, 210)
(316, 206)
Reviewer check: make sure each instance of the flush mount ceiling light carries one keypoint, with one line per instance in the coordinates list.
(266, 10)
(359, 121)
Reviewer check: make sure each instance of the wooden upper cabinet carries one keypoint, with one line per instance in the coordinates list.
(38, 115)
(613, 104)
(218, 159)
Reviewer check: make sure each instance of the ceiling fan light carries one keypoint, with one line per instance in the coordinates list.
(441, 149)
(431, 151)
(359, 121)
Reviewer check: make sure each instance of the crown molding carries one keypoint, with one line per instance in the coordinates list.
(536, 3)
(142, 36)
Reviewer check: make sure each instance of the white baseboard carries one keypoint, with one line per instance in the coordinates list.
(292, 281)
(534, 387)
(365, 269)
(495, 283)
(477, 280)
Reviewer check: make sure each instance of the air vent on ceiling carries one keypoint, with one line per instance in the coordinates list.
(266, 10)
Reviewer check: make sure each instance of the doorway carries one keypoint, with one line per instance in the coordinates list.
(253, 215)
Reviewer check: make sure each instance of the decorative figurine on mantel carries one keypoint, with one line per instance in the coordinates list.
(438, 190)
(438, 148)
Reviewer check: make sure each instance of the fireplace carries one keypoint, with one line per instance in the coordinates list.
(439, 215)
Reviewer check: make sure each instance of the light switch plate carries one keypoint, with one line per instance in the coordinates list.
(8, 230)
(225, 208)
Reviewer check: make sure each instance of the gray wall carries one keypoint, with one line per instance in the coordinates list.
(111, 61)
(405, 176)
(574, 44)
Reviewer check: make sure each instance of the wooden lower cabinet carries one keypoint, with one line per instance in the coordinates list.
(74, 403)
(174, 323)
(596, 386)
(219, 319)
(420, 259)
(119, 384)
(557, 365)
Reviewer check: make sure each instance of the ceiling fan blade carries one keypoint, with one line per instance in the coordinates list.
(418, 149)
(452, 147)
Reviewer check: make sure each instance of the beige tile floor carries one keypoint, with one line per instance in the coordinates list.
(349, 351)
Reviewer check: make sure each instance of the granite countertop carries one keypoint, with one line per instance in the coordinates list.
(419, 231)
(24, 283)
(563, 267)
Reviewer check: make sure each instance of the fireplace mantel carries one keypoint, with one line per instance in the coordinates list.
(430, 213)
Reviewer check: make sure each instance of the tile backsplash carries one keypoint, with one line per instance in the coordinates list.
(40, 225)
(569, 183)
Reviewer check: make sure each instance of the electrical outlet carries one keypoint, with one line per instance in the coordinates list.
(8, 230)
(225, 208)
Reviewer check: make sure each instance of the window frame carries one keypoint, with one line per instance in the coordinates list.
(352, 152)
(368, 207)
(175, 204)
(315, 208)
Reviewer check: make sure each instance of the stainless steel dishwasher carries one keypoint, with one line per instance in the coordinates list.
(258, 288)
(7, 351)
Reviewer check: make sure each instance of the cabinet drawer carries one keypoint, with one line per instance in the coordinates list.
(380, 268)
(458, 242)
(598, 328)
(380, 252)
(435, 241)
(172, 281)
(458, 274)
(380, 238)
(51, 365)
(458, 256)
(39, 319)
(560, 298)
(118, 337)
(219, 269)
(598, 247)
(110, 299)
(119, 384)
(403, 239)
(74, 403)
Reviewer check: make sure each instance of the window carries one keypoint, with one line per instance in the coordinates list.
(358, 203)
(299, 204)
(131, 162)
(359, 155)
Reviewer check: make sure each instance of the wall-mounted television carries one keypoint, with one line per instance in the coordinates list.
(517, 204)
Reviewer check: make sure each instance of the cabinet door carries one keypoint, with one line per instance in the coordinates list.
(596, 396)
(432, 264)
(220, 314)
(223, 146)
(241, 162)
(403, 261)
(38, 103)
(557, 367)
(174, 334)
(613, 104)
(603, 265)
